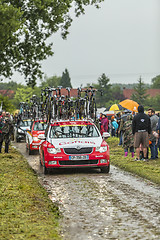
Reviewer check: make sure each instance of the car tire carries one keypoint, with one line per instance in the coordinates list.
(30, 152)
(45, 170)
(40, 161)
(105, 169)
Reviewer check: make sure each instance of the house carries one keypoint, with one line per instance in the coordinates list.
(151, 92)
(7, 93)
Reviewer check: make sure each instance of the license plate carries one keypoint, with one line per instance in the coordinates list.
(79, 157)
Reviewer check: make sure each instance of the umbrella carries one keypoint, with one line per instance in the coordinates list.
(130, 105)
(114, 107)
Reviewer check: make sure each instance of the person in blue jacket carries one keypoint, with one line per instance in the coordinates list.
(114, 126)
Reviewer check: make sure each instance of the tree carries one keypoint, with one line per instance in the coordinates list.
(156, 82)
(65, 80)
(23, 94)
(11, 85)
(25, 27)
(153, 102)
(117, 92)
(6, 104)
(103, 84)
(140, 95)
(53, 81)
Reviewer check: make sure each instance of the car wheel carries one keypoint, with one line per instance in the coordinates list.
(30, 151)
(105, 169)
(40, 161)
(45, 170)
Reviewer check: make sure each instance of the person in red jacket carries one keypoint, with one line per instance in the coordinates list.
(104, 124)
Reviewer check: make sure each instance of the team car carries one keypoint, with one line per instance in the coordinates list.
(20, 129)
(73, 144)
(37, 130)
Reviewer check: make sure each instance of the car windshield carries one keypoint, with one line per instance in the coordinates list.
(39, 126)
(82, 131)
(25, 123)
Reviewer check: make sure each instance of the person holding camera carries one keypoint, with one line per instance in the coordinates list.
(6, 131)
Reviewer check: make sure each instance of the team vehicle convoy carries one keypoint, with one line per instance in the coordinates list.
(21, 128)
(71, 137)
(37, 130)
(73, 144)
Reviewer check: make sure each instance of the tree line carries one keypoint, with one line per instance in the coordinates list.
(112, 93)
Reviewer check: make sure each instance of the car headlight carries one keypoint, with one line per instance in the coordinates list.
(35, 139)
(101, 149)
(53, 150)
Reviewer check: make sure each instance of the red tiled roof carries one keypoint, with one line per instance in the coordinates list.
(73, 92)
(8, 93)
(151, 92)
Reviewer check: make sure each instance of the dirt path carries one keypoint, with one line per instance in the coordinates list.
(98, 206)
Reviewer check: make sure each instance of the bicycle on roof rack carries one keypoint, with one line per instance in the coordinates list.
(52, 105)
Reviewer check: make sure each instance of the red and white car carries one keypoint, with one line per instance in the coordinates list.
(37, 130)
(74, 144)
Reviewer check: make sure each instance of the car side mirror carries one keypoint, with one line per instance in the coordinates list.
(105, 135)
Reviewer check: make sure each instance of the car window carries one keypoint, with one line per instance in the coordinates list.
(29, 123)
(82, 131)
(39, 126)
(21, 124)
(24, 123)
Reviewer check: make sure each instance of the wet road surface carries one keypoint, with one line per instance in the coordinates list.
(98, 206)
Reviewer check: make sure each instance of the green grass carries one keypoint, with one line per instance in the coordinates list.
(26, 212)
(148, 170)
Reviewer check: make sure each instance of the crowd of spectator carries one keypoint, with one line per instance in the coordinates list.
(139, 133)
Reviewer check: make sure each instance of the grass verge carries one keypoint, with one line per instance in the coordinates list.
(148, 170)
(26, 211)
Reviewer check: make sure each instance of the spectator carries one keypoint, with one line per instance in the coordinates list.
(6, 132)
(154, 122)
(15, 118)
(158, 130)
(128, 139)
(104, 124)
(120, 131)
(1, 135)
(141, 128)
(114, 125)
(3, 114)
(118, 118)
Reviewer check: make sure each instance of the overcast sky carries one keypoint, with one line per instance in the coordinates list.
(122, 40)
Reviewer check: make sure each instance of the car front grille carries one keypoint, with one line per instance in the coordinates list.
(78, 162)
(86, 150)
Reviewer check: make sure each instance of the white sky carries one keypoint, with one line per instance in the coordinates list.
(122, 40)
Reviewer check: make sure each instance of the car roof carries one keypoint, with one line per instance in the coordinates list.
(71, 122)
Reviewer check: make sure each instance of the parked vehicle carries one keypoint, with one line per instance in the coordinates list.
(37, 130)
(20, 129)
(73, 144)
